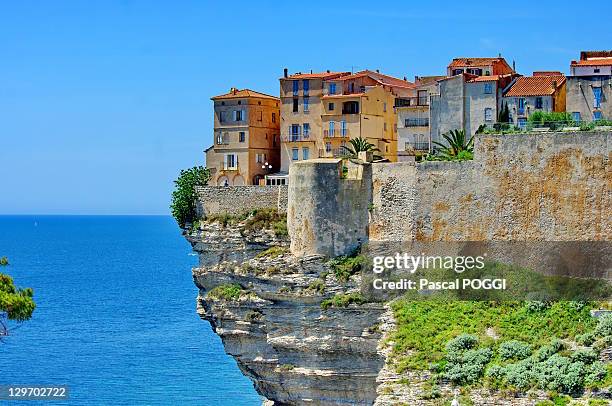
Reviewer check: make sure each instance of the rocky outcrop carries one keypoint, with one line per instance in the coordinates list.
(294, 351)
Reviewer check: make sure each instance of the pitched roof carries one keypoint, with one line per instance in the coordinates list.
(547, 73)
(593, 62)
(535, 85)
(244, 93)
(458, 62)
(381, 78)
(487, 78)
(319, 75)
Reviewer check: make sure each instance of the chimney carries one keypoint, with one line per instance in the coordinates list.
(514, 65)
(499, 55)
(416, 78)
(311, 71)
(233, 90)
(327, 71)
(377, 71)
(405, 79)
(285, 72)
(554, 84)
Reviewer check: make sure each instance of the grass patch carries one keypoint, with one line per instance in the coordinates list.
(228, 291)
(267, 219)
(273, 252)
(343, 300)
(316, 286)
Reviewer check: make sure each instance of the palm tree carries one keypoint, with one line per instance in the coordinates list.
(358, 145)
(457, 143)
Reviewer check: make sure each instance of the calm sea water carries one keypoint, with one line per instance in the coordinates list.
(115, 317)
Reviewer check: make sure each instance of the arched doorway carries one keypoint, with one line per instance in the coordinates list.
(221, 181)
(238, 180)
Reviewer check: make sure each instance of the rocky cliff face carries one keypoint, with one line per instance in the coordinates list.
(294, 351)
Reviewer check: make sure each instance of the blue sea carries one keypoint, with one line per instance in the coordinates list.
(115, 317)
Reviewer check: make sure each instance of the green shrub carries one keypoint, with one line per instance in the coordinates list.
(537, 306)
(466, 367)
(496, 372)
(585, 339)
(604, 326)
(461, 343)
(587, 356)
(229, 291)
(183, 204)
(347, 265)
(343, 300)
(597, 371)
(514, 349)
(286, 367)
(4, 261)
(317, 286)
(262, 219)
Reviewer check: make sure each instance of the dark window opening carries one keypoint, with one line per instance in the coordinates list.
(295, 105)
(350, 107)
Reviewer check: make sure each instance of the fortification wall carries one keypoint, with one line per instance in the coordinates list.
(239, 199)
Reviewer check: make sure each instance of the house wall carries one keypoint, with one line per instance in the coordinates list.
(580, 96)
(591, 70)
(447, 109)
(477, 101)
(530, 102)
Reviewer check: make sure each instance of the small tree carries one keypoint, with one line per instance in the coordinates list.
(16, 303)
(184, 196)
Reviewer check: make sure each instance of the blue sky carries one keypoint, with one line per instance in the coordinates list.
(103, 102)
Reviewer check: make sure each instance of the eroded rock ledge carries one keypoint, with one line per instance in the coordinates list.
(293, 350)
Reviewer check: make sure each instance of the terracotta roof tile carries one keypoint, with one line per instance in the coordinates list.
(593, 62)
(319, 75)
(534, 86)
(381, 78)
(235, 94)
(458, 62)
(489, 78)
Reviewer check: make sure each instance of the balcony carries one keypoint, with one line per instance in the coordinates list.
(416, 122)
(332, 153)
(296, 138)
(422, 101)
(341, 133)
(416, 146)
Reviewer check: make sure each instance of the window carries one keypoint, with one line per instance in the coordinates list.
(239, 115)
(350, 107)
(328, 147)
(222, 116)
(538, 103)
(330, 106)
(260, 158)
(343, 128)
(305, 153)
(332, 124)
(306, 86)
(274, 117)
(475, 71)
(260, 116)
(488, 114)
(456, 72)
(295, 105)
(488, 88)
(295, 132)
(597, 97)
(295, 154)
(241, 136)
(295, 87)
(332, 88)
(306, 129)
(596, 70)
(520, 102)
(597, 115)
(576, 116)
(522, 122)
(385, 126)
(219, 138)
(352, 87)
(230, 161)
(384, 106)
(306, 104)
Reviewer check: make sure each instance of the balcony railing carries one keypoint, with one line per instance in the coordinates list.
(417, 146)
(341, 133)
(295, 137)
(412, 101)
(416, 122)
(332, 153)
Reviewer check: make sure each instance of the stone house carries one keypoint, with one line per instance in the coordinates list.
(589, 87)
(466, 102)
(246, 138)
(544, 91)
(413, 118)
(479, 66)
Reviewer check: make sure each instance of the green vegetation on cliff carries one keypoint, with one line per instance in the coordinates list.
(229, 291)
(183, 204)
(254, 220)
(504, 345)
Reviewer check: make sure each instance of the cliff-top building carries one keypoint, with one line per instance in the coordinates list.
(589, 87)
(470, 97)
(320, 112)
(544, 91)
(246, 138)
